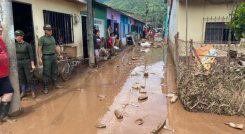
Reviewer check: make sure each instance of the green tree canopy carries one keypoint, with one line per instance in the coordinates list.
(238, 22)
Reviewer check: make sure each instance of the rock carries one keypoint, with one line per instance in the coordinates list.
(236, 126)
(100, 125)
(134, 58)
(146, 74)
(139, 121)
(136, 86)
(143, 97)
(101, 97)
(142, 86)
(142, 91)
(118, 114)
(159, 127)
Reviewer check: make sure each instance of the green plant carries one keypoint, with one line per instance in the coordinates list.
(238, 22)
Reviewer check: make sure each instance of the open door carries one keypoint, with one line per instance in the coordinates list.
(23, 20)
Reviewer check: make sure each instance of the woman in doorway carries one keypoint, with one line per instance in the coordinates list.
(6, 89)
(25, 61)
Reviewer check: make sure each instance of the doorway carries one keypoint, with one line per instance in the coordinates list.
(22, 14)
(84, 31)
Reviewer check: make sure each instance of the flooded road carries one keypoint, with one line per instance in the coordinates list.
(92, 94)
(152, 111)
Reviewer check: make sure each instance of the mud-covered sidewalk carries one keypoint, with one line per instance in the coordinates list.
(92, 95)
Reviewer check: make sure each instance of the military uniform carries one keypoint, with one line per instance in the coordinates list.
(24, 54)
(49, 58)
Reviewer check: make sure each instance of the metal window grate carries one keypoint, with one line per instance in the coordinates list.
(62, 26)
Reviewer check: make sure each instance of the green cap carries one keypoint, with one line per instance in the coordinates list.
(19, 33)
(47, 27)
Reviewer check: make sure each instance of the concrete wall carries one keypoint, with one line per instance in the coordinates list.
(197, 10)
(58, 6)
(101, 13)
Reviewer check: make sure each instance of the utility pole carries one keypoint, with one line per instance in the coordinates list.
(90, 41)
(8, 36)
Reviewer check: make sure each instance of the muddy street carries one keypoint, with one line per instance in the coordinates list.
(92, 95)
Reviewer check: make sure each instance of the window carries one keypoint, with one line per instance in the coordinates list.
(62, 25)
(217, 33)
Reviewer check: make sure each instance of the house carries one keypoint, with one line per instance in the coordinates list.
(105, 16)
(206, 20)
(64, 16)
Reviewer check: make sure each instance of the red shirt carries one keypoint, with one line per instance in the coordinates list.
(4, 60)
(110, 43)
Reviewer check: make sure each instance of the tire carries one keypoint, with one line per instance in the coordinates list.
(66, 72)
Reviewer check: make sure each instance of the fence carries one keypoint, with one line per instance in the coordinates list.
(185, 51)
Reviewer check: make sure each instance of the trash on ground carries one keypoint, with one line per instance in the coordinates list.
(143, 97)
(118, 114)
(115, 47)
(145, 45)
(100, 125)
(136, 86)
(145, 50)
(174, 98)
(236, 126)
(139, 121)
(241, 63)
(205, 57)
(159, 127)
(219, 92)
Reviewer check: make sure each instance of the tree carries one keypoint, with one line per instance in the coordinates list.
(238, 22)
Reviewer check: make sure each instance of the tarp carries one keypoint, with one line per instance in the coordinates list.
(206, 56)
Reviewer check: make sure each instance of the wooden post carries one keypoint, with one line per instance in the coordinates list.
(8, 36)
(190, 53)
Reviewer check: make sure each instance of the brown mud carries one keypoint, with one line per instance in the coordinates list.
(87, 97)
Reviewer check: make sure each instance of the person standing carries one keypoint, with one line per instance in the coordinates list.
(47, 51)
(97, 45)
(6, 89)
(25, 62)
(109, 31)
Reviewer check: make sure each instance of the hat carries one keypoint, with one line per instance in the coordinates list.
(19, 33)
(47, 27)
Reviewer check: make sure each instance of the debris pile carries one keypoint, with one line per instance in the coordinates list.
(220, 91)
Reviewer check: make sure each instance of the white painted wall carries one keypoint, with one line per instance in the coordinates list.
(197, 9)
(61, 6)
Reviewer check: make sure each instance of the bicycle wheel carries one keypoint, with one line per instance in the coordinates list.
(66, 72)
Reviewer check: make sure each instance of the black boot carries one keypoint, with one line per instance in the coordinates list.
(45, 90)
(4, 110)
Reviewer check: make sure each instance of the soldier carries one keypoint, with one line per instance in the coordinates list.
(47, 51)
(25, 62)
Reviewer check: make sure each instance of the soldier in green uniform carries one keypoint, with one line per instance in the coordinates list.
(25, 61)
(47, 51)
